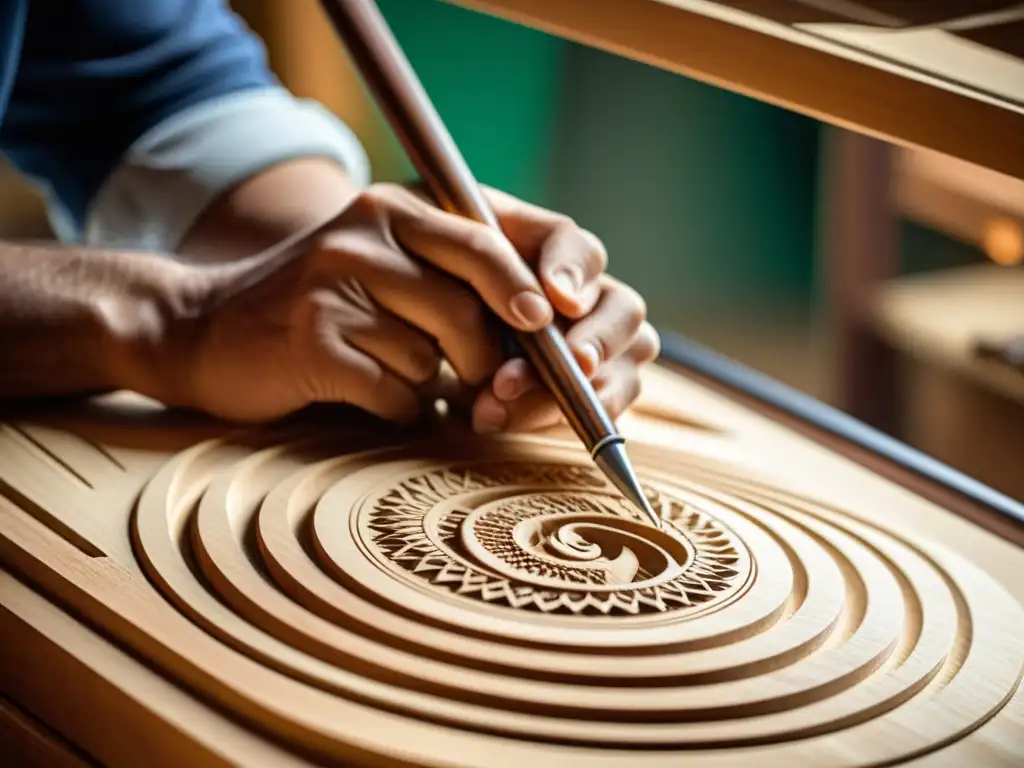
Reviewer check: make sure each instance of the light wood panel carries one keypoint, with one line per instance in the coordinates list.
(35, 745)
(310, 591)
(921, 88)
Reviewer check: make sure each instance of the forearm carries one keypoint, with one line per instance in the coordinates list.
(77, 320)
(268, 207)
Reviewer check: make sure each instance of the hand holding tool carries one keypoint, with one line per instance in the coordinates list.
(404, 102)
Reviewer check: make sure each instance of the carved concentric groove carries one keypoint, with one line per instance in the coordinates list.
(506, 592)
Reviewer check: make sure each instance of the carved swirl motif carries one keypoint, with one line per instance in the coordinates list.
(537, 545)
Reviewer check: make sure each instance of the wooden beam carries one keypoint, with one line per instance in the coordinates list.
(795, 69)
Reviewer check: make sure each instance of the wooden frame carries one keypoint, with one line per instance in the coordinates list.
(806, 71)
(194, 613)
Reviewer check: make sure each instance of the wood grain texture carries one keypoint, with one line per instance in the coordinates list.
(35, 745)
(303, 594)
(918, 88)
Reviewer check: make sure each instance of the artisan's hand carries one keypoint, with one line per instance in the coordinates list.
(364, 313)
(605, 321)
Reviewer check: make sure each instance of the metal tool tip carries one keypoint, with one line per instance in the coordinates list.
(614, 462)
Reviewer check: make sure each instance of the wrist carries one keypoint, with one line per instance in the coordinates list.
(149, 329)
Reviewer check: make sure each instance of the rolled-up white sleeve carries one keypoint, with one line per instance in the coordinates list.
(176, 169)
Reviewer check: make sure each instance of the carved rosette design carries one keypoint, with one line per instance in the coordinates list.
(419, 603)
(584, 552)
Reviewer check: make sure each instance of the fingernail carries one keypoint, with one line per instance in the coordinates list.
(531, 309)
(589, 353)
(490, 417)
(565, 281)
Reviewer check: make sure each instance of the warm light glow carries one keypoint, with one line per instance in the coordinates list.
(1004, 242)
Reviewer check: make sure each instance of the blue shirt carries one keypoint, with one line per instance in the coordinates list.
(133, 114)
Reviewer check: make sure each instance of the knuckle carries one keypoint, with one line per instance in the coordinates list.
(563, 223)
(625, 306)
(345, 245)
(310, 312)
(654, 341)
(424, 363)
(376, 205)
(371, 202)
(582, 246)
(635, 307)
(636, 317)
(486, 242)
(379, 195)
(596, 252)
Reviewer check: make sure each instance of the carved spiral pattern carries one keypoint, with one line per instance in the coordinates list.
(500, 601)
(581, 553)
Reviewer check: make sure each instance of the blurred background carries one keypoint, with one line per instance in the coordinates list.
(860, 274)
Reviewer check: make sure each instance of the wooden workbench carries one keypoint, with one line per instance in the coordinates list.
(176, 592)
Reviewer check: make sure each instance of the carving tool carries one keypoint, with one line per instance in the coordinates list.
(403, 100)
